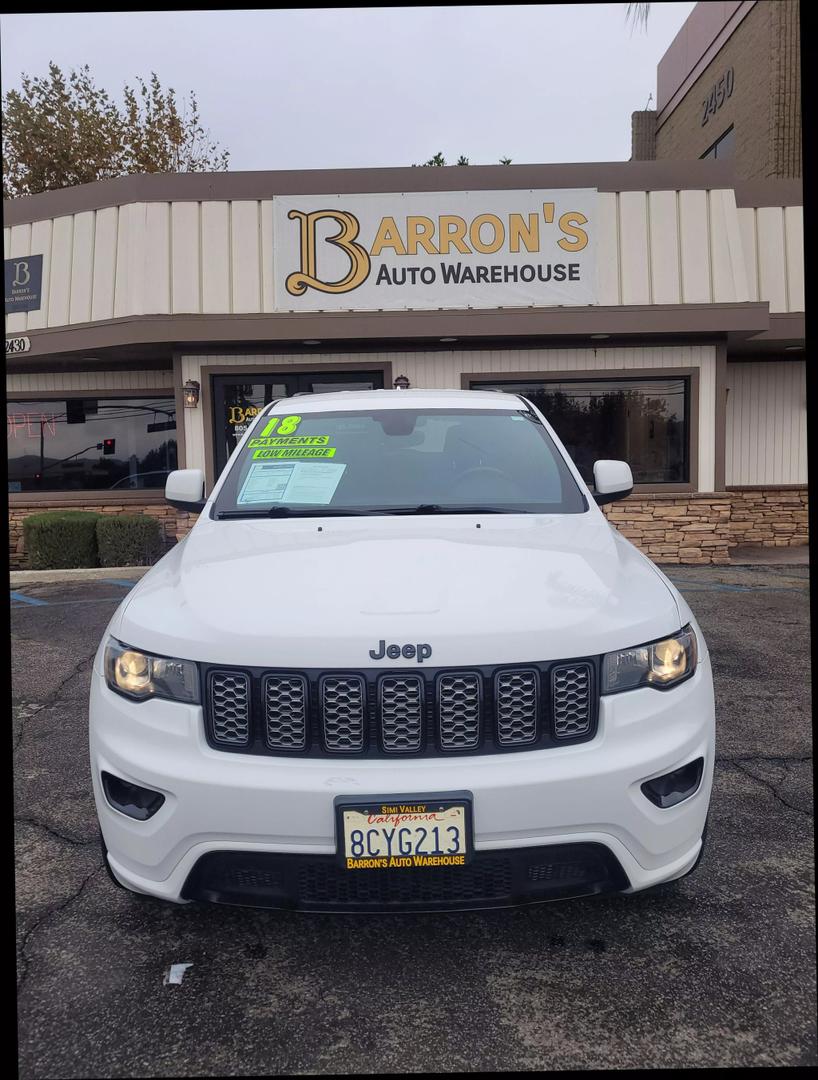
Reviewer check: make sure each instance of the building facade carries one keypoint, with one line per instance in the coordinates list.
(654, 310)
(729, 86)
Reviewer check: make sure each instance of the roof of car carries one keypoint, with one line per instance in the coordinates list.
(397, 399)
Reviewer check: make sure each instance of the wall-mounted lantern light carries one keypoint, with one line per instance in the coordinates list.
(191, 392)
(401, 383)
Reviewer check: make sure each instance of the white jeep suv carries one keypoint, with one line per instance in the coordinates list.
(401, 661)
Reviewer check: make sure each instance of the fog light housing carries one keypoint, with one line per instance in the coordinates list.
(674, 787)
(131, 799)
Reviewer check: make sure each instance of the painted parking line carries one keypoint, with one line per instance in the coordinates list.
(118, 581)
(21, 598)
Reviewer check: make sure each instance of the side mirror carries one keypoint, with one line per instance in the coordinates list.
(613, 480)
(184, 489)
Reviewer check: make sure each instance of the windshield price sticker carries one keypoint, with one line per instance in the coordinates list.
(295, 452)
(414, 836)
(288, 440)
(310, 483)
(282, 425)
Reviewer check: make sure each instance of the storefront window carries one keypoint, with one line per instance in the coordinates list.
(90, 444)
(642, 421)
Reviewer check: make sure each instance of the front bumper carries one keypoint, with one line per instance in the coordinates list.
(261, 807)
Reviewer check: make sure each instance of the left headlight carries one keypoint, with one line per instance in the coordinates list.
(661, 664)
(140, 676)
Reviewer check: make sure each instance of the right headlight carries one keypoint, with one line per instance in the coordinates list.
(661, 664)
(139, 676)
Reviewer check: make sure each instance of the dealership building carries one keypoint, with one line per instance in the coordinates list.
(654, 310)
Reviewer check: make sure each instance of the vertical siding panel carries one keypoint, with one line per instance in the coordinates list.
(82, 267)
(7, 242)
(725, 268)
(771, 260)
(156, 267)
(766, 423)
(794, 226)
(245, 256)
(186, 265)
(267, 276)
(694, 246)
(734, 246)
(216, 257)
(633, 241)
(59, 278)
(607, 254)
(20, 245)
(664, 247)
(130, 260)
(105, 234)
(41, 244)
(747, 228)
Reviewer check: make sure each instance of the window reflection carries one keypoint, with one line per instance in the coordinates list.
(642, 421)
(92, 444)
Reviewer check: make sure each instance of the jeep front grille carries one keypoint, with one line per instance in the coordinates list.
(419, 712)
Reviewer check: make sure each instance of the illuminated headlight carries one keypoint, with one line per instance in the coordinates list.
(660, 664)
(139, 676)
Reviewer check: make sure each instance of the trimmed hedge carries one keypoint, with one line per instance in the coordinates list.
(128, 539)
(61, 539)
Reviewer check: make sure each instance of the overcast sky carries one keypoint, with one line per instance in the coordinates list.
(363, 87)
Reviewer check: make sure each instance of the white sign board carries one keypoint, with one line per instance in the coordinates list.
(436, 249)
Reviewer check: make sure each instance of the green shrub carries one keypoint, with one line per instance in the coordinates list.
(61, 539)
(128, 539)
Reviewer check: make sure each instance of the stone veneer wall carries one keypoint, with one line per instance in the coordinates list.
(669, 528)
(175, 523)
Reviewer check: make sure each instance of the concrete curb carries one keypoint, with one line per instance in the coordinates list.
(95, 573)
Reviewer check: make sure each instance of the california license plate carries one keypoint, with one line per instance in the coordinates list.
(400, 832)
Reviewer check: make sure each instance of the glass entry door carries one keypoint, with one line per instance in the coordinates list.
(238, 398)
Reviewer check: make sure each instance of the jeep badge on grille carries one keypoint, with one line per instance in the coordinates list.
(422, 652)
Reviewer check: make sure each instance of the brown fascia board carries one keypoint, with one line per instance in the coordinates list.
(195, 187)
(190, 331)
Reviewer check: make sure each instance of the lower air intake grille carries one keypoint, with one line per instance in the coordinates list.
(229, 700)
(572, 702)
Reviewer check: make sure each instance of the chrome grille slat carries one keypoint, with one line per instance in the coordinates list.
(571, 700)
(229, 702)
(516, 703)
(401, 712)
(284, 698)
(459, 710)
(343, 709)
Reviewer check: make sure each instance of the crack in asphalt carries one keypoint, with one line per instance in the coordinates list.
(772, 788)
(54, 909)
(53, 832)
(28, 709)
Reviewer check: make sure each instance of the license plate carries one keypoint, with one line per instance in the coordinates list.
(397, 832)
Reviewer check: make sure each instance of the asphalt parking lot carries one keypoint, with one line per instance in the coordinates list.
(720, 972)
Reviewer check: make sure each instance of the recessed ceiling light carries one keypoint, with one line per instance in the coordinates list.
(448, 339)
(310, 341)
(599, 337)
(794, 348)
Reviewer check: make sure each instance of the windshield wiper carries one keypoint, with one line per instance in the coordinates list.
(374, 511)
(456, 508)
(289, 511)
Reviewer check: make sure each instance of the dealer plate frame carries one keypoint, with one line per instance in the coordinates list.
(433, 799)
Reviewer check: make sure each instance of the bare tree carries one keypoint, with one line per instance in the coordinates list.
(59, 131)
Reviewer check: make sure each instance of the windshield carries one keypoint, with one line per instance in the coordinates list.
(398, 461)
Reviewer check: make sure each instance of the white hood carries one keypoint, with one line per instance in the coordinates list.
(311, 593)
